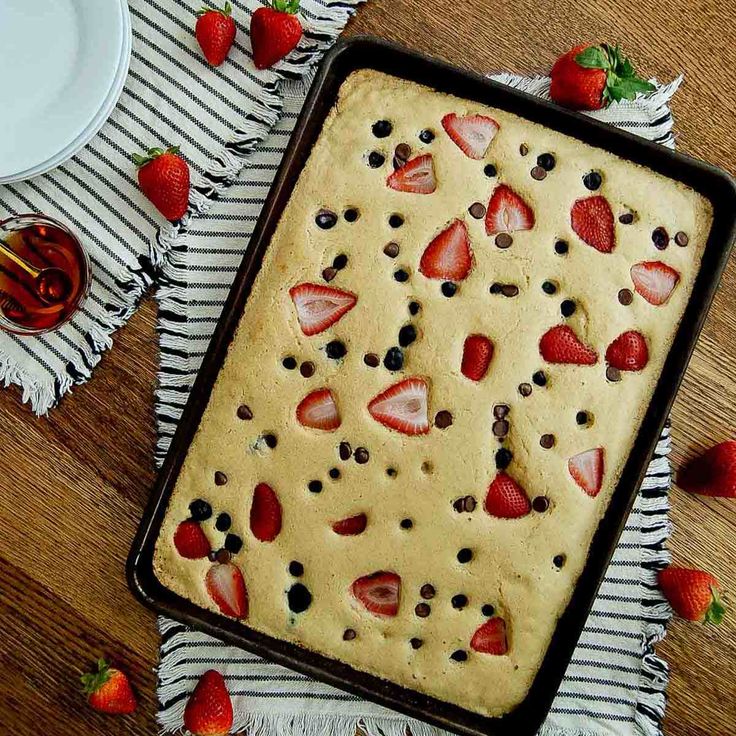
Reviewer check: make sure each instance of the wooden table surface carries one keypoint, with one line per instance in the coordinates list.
(74, 485)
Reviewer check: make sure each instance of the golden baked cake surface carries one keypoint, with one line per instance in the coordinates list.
(438, 377)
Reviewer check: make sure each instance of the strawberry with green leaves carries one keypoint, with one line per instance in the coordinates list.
(215, 32)
(108, 690)
(592, 76)
(693, 594)
(163, 176)
(274, 32)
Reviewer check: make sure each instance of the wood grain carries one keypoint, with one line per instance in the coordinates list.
(74, 485)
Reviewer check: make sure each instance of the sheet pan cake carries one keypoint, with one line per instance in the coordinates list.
(438, 377)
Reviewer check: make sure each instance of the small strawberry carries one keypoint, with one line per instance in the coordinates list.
(379, 593)
(215, 32)
(351, 526)
(319, 307)
(590, 77)
(693, 594)
(713, 473)
(448, 256)
(108, 690)
(318, 410)
(209, 710)
(654, 280)
(226, 587)
(163, 177)
(490, 637)
(506, 499)
(628, 352)
(591, 218)
(190, 540)
(274, 32)
(416, 176)
(472, 133)
(561, 345)
(477, 355)
(586, 469)
(403, 407)
(265, 513)
(507, 212)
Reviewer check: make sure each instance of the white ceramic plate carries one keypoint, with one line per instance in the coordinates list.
(100, 119)
(66, 61)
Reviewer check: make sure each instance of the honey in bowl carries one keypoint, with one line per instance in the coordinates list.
(51, 281)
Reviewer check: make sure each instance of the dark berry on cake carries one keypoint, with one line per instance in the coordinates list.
(414, 308)
(315, 486)
(681, 239)
(379, 593)
(307, 369)
(448, 256)
(372, 360)
(426, 136)
(190, 540)
(628, 352)
(443, 420)
(523, 149)
(567, 308)
(561, 247)
(561, 345)
(376, 160)
(538, 173)
(415, 643)
(507, 212)
(490, 170)
(472, 134)
(335, 350)
(592, 180)
(220, 478)
(328, 274)
(422, 610)
(318, 410)
(415, 177)
(477, 356)
(510, 290)
(344, 451)
(296, 569)
(350, 215)
(200, 510)
(582, 417)
(406, 524)
(459, 601)
(546, 161)
(503, 458)
(501, 410)
(299, 598)
(500, 428)
(222, 555)
(362, 456)
(490, 638)
(223, 522)
(470, 503)
(226, 588)
(654, 280)
(233, 543)
(382, 128)
(395, 221)
(391, 472)
(540, 504)
(326, 219)
(613, 374)
(402, 152)
(340, 261)
(525, 389)
(391, 250)
(495, 288)
(394, 359)
(488, 610)
(265, 513)
(334, 473)
(459, 655)
(506, 499)
(464, 555)
(477, 210)
(625, 297)
(351, 526)
(592, 221)
(349, 634)
(503, 241)
(289, 363)
(660, 238)
(586, 469)
(626, 218)
(319, 307)
(547, 441)
(558, 561)
(549, 287)
(427, 591)
(407, 335)
(448, 289)
(244, 413)
(401, 275)
(539, 378)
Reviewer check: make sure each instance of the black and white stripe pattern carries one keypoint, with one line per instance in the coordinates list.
(615, 683)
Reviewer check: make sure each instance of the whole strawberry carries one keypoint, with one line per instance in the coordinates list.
(274, 32)
(590, 77)
(713, 473)
(215, 32)
(108, 690)
(163, 176)
(693, 594)
(209, 710)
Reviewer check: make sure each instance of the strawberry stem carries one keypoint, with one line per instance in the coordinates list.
(716, 611)
(286, 6)
(227, 11)
(93, 681)
(153, 153)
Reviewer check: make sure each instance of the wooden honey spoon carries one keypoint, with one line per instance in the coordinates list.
(52, 284)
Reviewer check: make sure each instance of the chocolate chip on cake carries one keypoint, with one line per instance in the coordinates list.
(270, 440)
(448, 289)
(510, 290)
(344, 451)
(376, 160)
(394, 360)
(488, 610)
(538, 173)
(244, 413)
(395, 221)
(335, 350)
(443, 419)
(582, 417)
(500, 428)
(504, 240)
(415, 643)
(220, 478)
(625, 297)
(660, 238)
(490, 170)
(525, 389)
(549, 287)
(382, 128)
(546, 161)
(495, 288)
(561, 247)
(540, 504)
(547, 441)
(401, 276)
(223, 522)
(559, 561)
(307, 369)
(426, 136)
(349, 635)
(406, 523)
(681, 239)
(414, 308)
(501, 410)
(334, 473)
(567, 308)
(407, 335)
(233, 543)
(540, 378)
(477, 210)
(299, 598)
(361, 456)
(592, 181)
(351, 214)
(464, 555)
(372, 360)
(503, 458)
(459, 655)
(200, 510)
(296, 569)
(340, 262)
(289, 363)
(613, 374)
(326, 219)
(427, 591)
(315, 486)
(459, 601)
(328, 274)
(223, 556)
(391, 472)
(626, 218)
(422, 610)
(391, 250)
(469, 504)
(401, 154)
(523, 149)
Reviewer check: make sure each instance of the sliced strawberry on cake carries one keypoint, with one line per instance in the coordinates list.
(319, 307)
(379, 593)
(654, 280)
(318, 410)
(628, 352)
(592, 220)
(226, 587)
(351, 526)
(490, 638)
(477, 356)
(507, 212)
(586, 469)
(506, 499)
(190, 540)
(403, 407)
(560, 344)
(471, 133)
(265, 513)
(416, 176)
(448, 256)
